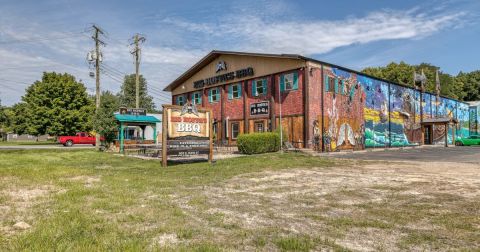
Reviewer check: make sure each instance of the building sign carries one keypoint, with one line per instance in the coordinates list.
(132, 111)
(238, 74)
(188, 131)
(259, 108)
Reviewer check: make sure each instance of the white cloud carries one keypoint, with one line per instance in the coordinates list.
(320, 36)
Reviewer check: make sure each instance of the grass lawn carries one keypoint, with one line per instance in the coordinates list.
(13, 143)
(89, 201)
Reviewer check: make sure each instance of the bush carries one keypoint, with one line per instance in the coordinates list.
(256, 143)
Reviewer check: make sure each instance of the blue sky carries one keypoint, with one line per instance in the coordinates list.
(37, 36)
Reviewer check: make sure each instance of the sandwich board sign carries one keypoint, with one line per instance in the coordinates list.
(187, 132)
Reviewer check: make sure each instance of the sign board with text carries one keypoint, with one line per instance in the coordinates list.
(188, 131)
(259, 108)
(132, 111)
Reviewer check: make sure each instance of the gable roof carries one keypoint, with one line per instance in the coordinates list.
(215, 54)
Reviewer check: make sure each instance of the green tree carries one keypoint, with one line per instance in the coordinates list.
(471, 85)
(127, 93)
(56, 105)
(403, 73)
(18, 118)
(104, 120)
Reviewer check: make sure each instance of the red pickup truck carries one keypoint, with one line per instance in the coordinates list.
(79, 138)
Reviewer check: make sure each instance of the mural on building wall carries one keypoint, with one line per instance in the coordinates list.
(344, 100)
(474, 116)
(405, 128)
(376, 112)
(463, 117)
(427, 105)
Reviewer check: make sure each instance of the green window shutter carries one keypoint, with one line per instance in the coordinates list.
(199, 98)
(342, 90)
(264, 81)
(295, 81)
(254, 88)
(219, 94)
(177, 100)
(230, 91)
(327, 84)
(210, 96)
(192, 97)
(282, 83)
(336, 86)
(239, 90)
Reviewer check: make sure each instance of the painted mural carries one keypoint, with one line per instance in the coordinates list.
(474, 116)
(463, 117)
(344, 100)
(365, 112)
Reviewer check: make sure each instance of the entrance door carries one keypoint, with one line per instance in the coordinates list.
(428, 134)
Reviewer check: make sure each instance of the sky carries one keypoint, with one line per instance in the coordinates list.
(55, 35)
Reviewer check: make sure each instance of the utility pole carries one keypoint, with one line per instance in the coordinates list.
(97, 56)
(136, 53)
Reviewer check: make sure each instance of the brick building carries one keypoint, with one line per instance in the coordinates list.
(322, 105)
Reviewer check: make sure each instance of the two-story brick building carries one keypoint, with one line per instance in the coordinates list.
(321, 105)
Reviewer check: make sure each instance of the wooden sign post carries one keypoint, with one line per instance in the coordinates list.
(187, 131)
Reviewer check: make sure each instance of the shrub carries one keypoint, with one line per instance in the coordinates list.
(256, 143)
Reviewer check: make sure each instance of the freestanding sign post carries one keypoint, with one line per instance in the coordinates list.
(187, 131)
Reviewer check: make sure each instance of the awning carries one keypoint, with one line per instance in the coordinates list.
(442, 120)
(137, 119)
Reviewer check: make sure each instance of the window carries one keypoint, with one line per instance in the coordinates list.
(180, 100)
(197, 98)
(259, 87)
(258, 127)
(214, 95)
(235, 130)
(234, 91)
(289, 82)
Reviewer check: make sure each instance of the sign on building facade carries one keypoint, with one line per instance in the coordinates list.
(188, 132)
(259, 108)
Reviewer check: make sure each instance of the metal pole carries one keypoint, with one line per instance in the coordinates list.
(280, 111)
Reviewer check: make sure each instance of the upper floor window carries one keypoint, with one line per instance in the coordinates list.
(289, 82)
(180, 100)
(214, 95)
(234, 91)
(197, 98)
(259, 87)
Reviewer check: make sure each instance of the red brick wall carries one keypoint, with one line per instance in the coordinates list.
(234, 108)
(254, 99)
(314, 100)
(216, 106)
(292, 101)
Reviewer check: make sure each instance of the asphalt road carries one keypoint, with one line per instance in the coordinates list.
(46, 146)
(456, 154)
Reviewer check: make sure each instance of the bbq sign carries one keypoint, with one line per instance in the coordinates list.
(259, 108)
(187, 121)
(188, 131)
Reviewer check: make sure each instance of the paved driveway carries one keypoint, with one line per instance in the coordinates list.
(425, 154)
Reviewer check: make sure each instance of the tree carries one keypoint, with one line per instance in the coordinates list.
(403, 73)
(104, 121)
(127, 93)
(471, 85)
(56, 105)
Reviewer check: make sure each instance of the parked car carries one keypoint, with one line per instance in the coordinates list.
(79, 138)
(471, 140)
